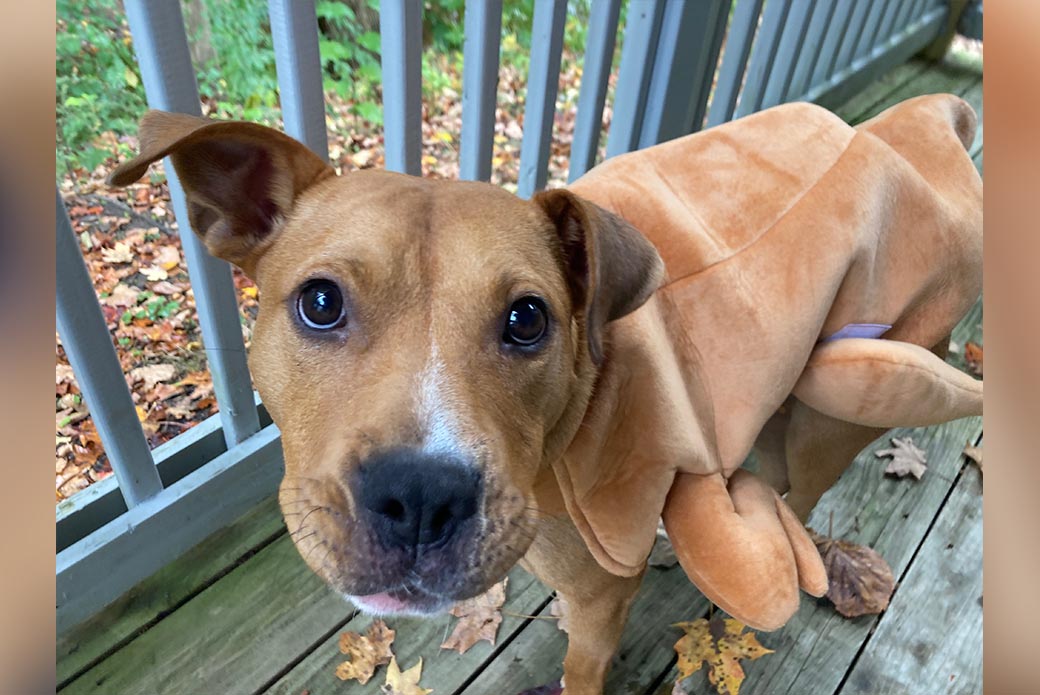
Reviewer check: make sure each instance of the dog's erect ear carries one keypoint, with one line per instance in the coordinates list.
(239, 178)
(611, 267)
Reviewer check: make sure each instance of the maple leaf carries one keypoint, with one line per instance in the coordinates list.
(974, 453)
(120, 254)
(404, 683)
(479, 618)
(859, 581)
(907, 459)
(154, 273)
(973, 356)
(366, 652)
(153, 374)
(722, 643)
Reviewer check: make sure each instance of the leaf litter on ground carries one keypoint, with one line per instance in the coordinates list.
(722, 644)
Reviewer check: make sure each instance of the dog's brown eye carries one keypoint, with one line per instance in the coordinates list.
(526, 322)
(321, 305)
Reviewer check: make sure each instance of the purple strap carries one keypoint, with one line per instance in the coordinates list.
(859, 330)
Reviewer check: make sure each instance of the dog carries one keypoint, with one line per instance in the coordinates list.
(465, 380)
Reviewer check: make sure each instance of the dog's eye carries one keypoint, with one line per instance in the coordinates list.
(526, 322)
(320, 305)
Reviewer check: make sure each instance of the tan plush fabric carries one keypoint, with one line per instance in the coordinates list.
(776, 230)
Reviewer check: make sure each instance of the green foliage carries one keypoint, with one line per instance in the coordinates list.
(97, 83)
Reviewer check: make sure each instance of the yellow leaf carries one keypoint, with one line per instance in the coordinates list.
(404, 683)
(366, 652)
(720, 643)
(142, 414)
(250, 292)
(443, 136)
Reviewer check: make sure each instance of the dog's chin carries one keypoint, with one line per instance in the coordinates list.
(400, 603)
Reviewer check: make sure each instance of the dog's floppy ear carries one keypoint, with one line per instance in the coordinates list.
(239, 178)
(611, 267)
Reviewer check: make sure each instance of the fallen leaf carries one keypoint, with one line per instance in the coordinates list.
(973, 356)
(561, 611)
(479, 618)
(62, 373)
(154, 273)
(404, 683)
(722, 643)
(153, 374)
(121, 295)
(167, 257)
(142, 414)
(859, 580)
(366, 652)
(907, 459)
(974, 453)
(120, 254)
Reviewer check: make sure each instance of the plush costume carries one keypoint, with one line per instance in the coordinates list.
(804, 257)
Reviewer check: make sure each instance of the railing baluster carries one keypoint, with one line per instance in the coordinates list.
(734, 59)
(852, 36)
(906, 8)
(683, 63)
(89, 348)
(828, 63)
(870, 29)
(823, 15)
(483, 30)
(400, 29)
(888, 21)
(637, 64)
(543, 81)
(599, 54)
(792, 42)
(294, 30)
(161, 45)
(762, 56)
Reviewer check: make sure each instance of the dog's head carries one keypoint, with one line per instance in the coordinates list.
(425, 347)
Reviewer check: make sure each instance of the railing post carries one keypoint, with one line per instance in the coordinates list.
(823, 14)
(633, 83)
(400, 29)
(161, 45)
(599, 53)
(763, 56)
(88, 346)
(792, 43)
(294, 31)
(483, 30)
(734, 61)
(543, 81)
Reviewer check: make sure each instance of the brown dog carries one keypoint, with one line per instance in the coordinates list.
(457, 388)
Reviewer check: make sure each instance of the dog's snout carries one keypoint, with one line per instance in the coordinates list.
(415, 499)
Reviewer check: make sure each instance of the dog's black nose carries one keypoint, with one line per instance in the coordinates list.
(414, 499)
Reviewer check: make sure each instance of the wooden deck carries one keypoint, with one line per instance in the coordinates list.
(242, 614)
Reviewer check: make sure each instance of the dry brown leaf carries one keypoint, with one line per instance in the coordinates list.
(907, 459)
(974, 453)
(121, 295)
(722, 643)
(154, 273)
(973, 356)
(153, 374)
(859, 581)
(479, 618)
(404, 683)
(366, 652)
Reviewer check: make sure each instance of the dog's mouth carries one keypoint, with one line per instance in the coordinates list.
(403, 600)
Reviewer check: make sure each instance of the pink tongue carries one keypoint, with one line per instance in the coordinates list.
(382, 603)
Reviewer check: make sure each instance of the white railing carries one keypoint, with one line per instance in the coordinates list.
(161, 503)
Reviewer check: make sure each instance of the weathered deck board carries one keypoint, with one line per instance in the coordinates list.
(930, 638)
(235, 636)
(420, 637)
(150, 600)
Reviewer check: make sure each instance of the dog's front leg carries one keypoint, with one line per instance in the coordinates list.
(596, 603)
